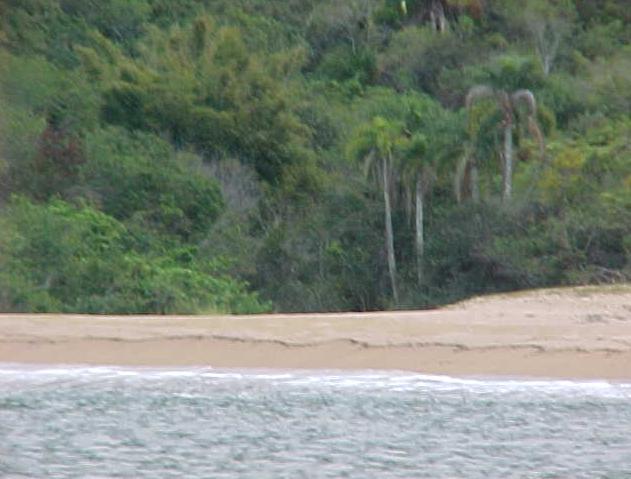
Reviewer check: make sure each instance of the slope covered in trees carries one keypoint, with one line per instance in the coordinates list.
(309, 155)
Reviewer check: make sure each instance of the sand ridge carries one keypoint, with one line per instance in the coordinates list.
(573, 332)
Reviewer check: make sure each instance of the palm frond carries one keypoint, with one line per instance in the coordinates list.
(477, 92)
(535, 131)
(369, 162)
(527, 97)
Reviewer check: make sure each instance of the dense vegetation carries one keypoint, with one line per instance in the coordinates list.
(309, 155)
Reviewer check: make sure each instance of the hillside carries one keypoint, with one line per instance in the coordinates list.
(247, 156)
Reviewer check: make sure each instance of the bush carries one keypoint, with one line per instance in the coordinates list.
(138, 178)
(61, 258)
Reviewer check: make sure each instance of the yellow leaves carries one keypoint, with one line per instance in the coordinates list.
(92, 63)
(286, 63)
(378, 135)
(564, 179)
(570, 161)
(594, 172)
(101, 58)
(230, 49)
(386, 134)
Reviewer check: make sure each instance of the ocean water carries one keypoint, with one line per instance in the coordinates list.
(103, 422)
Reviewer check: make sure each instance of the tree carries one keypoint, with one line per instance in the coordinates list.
(417, 174)
(57, 257)
(332, 22)
(548, 23)
(375, 144)
(58, 160)
(436, 12)
(467, 178)
(508, 104)
(426, 156)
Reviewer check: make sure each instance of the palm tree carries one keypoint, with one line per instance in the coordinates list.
(508, 103)
(436, 11)
(467, 182)
(375, 144)
(417, 173)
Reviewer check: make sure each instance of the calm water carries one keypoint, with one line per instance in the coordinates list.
(149, 423)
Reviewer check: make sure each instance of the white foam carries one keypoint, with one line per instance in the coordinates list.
(368, 379)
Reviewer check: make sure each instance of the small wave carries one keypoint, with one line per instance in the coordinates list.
(396, 380)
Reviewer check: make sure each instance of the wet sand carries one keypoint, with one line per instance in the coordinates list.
(577, 333)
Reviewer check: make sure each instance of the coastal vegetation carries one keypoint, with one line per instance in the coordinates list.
(309, 155)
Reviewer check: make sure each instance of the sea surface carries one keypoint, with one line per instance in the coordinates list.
(98, 422)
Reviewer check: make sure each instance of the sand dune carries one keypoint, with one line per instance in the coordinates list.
(571, 333)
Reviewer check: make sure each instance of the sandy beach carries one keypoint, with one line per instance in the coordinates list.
(574, 333)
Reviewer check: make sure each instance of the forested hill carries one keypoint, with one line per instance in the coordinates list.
(309, 155)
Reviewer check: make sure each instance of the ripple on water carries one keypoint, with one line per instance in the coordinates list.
(200, 422)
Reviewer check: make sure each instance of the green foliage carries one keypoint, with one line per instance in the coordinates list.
(418, 58)
(37, 85)
(138, 178)
(160, 156)
(61, 258)
(119, 20)
(222, 101)
(512, 72)
(342, 64)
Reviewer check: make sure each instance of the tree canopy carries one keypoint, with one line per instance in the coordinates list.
(309, 155)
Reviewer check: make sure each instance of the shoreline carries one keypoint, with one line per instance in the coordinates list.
(431, 360)
(574, 333)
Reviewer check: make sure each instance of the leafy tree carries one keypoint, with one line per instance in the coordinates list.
(418, 171)
(139, 178)
(417, 58)
(508, 104)
(549, 25)
(58, 257)
(375, 144)
(202, 86)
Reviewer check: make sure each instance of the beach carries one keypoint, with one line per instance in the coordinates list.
(573, 333)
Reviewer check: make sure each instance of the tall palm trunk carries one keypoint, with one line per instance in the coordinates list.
(508, 161)
(392, 266)
(420, 239)
(475, 181)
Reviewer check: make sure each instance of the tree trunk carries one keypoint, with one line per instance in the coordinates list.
(420, 240)
(546, 45)
(392, 266)
(437, 16)
(508, 161)
(475, 181)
